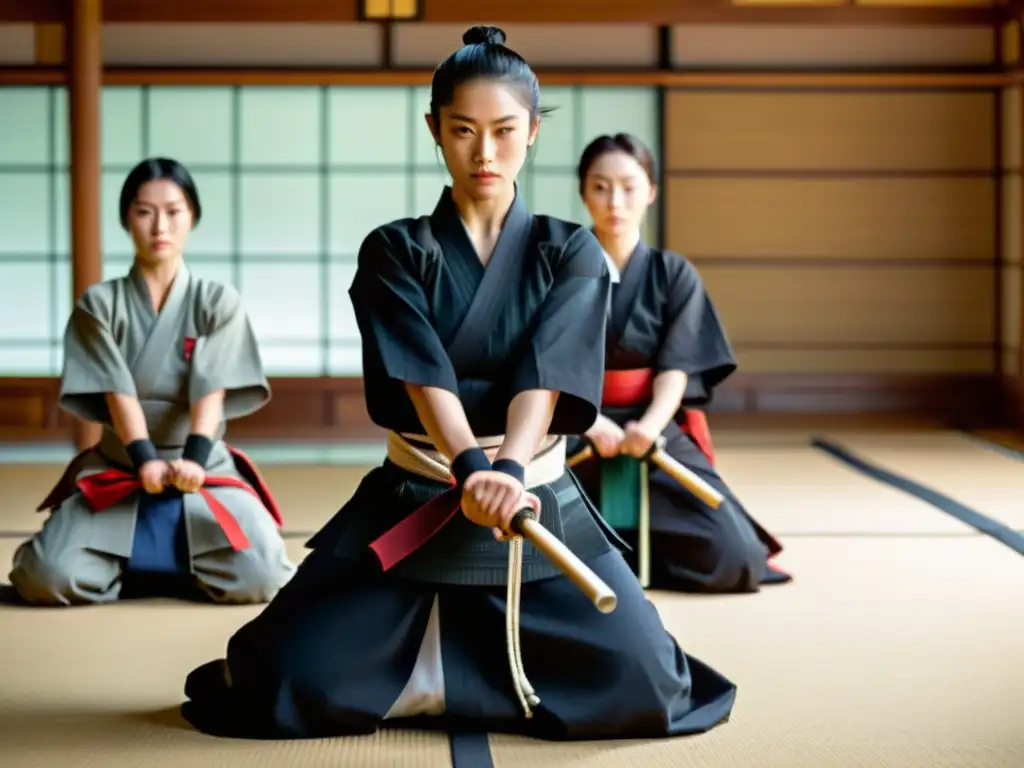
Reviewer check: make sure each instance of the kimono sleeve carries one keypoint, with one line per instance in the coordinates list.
(227, 356)
(566, 351)
(93, 364)
(694, 341)
(399, 341)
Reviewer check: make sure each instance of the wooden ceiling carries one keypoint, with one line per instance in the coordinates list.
(655, 12)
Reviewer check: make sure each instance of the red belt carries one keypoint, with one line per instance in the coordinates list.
(111, 486)
(635, 386)
(415, 530)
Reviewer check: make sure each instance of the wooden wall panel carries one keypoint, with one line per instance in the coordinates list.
(240, 44)
(814, 45)
(1010, 42)
(1012, 240)
(907, 307)
(1013, 311)
(937, 131)
(355, 45)
(929, 3)
(413, 45)
(50, 45)
(1012, 125)
(842, 232)
(927, 219)
(832, 360)
(606, 46)
(17, 44)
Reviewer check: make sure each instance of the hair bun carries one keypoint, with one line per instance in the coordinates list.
(484, 35)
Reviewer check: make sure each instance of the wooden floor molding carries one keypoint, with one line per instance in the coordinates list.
(1012, 397)
(332, 409)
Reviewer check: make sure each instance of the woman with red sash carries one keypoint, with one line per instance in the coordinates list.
(162, 359)
(665, 352)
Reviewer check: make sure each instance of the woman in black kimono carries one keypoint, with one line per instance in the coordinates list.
(483, 335)
(666, 351)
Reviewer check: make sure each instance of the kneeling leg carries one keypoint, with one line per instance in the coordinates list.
(55, 568)
(252, 575)
(329, 656)
(597, 676)
(696, 548)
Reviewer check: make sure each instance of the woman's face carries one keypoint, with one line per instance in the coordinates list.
(159, 222)
(484, 134)
(617, 193)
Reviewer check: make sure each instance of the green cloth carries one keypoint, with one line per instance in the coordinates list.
(621, 479)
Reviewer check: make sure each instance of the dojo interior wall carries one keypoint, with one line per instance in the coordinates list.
(1013, 247)
(1012, 282)
(848, 230)
(291, 177)
(851, 236)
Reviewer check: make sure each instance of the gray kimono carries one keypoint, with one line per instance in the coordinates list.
(200, 342)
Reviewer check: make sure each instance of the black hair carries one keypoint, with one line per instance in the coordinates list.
(484, 55)
(155, 169)
(626, 143)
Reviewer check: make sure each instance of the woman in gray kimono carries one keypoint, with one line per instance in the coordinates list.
(162, 359)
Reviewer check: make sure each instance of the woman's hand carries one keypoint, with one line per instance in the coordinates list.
(638, 439)
(154, 475)
(492, 500)
(493, 503)
(527, 500)
(487, 496)
(187, 476)
(606, 436)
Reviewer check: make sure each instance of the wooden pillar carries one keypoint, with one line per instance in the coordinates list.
(85, 74)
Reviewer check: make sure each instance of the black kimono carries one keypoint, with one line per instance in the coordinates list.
(331, 654)
(662, 319)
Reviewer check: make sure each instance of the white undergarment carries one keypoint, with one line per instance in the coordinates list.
(424, 692)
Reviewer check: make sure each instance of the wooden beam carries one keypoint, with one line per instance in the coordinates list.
(709, 80)
(85, 77)
(231, 11)
(1018, 402)
(726, 80)
(37, 11)
(334, 409)
(668, 12)
(32, 76)
(653, 12)
(998, 224)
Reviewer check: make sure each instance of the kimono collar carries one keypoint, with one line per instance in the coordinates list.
(138, 280)
(638, 255)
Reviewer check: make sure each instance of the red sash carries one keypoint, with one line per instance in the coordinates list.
(415, 530)
(110, 486)
(635, 386)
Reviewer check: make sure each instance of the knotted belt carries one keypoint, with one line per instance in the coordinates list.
(635, 386)
(419, 527)
(103, 490)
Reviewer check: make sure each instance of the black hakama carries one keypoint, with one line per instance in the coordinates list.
(662, 319)
(334, 650)
(343, 641)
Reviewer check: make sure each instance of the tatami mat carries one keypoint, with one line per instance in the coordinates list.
(898, 644)
(983, 478)
(883, 653)
(798, 490)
